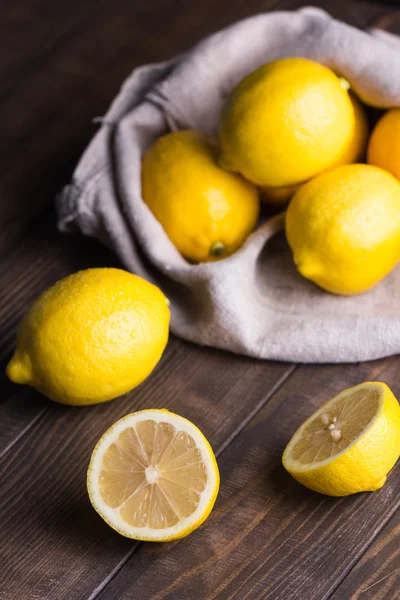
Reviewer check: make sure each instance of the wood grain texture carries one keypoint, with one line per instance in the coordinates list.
(268, 537)
(29, 268)
(62, 67)
(43, 496)
(377, 575)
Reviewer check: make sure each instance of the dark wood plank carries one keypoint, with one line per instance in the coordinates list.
(268, 537)
(377, 575)
(63, 67)
(19, 411)
(42, 258)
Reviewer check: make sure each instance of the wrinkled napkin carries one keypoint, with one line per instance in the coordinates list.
(254, 302)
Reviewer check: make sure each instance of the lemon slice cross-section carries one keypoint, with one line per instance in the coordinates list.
(349, 444)
(153, 476)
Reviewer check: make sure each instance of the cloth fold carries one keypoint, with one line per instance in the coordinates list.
(253, 302)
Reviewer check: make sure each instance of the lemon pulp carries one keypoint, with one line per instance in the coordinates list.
(153, 476)
(336, 427)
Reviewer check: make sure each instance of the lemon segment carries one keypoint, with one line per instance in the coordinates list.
(349, 444)
(153, 476)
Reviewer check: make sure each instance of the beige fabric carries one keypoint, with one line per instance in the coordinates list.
(254, 302)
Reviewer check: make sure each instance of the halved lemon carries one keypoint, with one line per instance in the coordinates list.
(349, 444)
(153, 476)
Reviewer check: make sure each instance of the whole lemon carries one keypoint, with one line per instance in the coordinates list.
(287, 122)
(91, 337)
(354, 151)
(343, 227)
(384, 143)
(206, 212)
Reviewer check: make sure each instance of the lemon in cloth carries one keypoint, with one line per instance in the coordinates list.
(350, 444)
(288, 121)
(384, 143)
(91, 337)
(206, 212)
(153, 476)
(343, 227)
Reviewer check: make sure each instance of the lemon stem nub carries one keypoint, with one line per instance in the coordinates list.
(308, 269)
(344, 84)
(19, 371)
(217, 249)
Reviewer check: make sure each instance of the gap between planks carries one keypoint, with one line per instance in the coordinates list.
(24, 431)
(363, 550)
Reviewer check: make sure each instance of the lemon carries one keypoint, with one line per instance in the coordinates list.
(153, 476)
(344, 228)
(288, 121)
(354, 151)
(384, 143)
(350, 444)
(91, 337)
(206, 212)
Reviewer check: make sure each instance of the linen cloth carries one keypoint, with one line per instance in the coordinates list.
(253, 302)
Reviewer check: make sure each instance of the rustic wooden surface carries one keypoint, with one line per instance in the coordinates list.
(60, 65)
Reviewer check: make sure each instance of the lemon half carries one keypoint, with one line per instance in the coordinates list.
(350, 444)
(153, 476)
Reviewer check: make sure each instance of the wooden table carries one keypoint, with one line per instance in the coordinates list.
(268, 537)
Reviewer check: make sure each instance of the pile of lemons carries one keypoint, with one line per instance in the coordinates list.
(288, 131)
